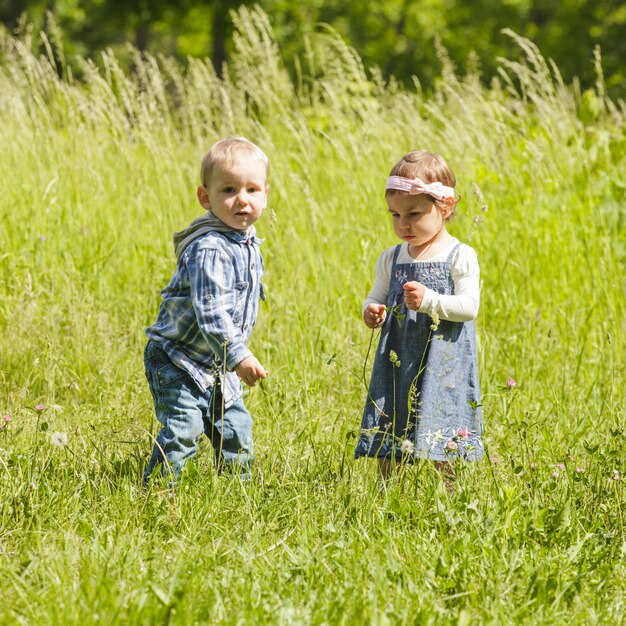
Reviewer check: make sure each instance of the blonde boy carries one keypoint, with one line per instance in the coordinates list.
(196, 353)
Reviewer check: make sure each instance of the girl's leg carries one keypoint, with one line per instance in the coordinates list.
(446, 470)
(384, 467)
(387, 465)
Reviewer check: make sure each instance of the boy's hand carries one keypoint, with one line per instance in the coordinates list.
(413, 294)
(374, 315)
(250, 370)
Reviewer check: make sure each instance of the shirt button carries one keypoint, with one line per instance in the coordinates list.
(251, 266)
(245, 326)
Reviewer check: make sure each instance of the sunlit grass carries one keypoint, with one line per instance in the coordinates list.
(97, 174)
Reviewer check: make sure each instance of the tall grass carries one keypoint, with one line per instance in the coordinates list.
(99, 167)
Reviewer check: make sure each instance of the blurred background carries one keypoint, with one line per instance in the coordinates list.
(403, 38)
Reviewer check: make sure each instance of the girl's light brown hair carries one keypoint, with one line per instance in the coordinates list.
(427, 166)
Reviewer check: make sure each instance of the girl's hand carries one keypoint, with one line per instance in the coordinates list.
(374, 315)
(413, 294)
(250, 370)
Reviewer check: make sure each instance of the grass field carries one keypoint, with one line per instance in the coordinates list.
(99, 167)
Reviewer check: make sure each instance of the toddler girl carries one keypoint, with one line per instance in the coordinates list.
(424, 397)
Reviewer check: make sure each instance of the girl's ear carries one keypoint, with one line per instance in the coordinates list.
(203, 198)
(445, 207)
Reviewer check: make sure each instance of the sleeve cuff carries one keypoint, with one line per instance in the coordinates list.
(427, 301)
(235, 355)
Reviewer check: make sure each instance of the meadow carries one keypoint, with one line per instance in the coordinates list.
(99, 167)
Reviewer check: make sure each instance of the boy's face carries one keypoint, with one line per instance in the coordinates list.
(236, 195)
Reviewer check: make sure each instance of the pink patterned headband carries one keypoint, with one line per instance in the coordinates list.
(416, 186)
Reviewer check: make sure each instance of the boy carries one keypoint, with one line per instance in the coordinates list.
(196, 352)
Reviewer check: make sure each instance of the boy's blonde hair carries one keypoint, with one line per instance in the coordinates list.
(225, 152)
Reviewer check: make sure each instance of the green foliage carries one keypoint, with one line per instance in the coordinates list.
(97, 174)
(400, 38)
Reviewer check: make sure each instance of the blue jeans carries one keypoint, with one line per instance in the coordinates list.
(186, 413)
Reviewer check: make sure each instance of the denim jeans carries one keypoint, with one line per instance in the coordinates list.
(186, 413)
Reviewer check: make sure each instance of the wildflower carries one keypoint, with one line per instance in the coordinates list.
(438, 436)
(494, 459)
(511, 383)
(451, 445)
(464, 433)
(571, 458)
(435, 318)
(6, 418)
(533, 466)
(580, 470)
(393, 357)
(58, 439)
(560, 466)
(615, 475)
(407, 447)
(555, 474)
(39, 407)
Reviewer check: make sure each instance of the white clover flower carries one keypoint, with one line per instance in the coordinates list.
(435, 318)
(407, 447)
(58, 439)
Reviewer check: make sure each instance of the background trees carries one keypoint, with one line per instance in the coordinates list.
(401, 37)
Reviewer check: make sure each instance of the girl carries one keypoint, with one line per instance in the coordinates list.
(424, 398)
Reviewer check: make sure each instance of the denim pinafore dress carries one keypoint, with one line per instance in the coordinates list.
(424, 397)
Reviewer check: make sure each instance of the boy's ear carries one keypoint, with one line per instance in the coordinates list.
(267, 191)
(203, 198)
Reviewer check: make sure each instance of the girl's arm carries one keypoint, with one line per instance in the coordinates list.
(374, 312)
(460, 307)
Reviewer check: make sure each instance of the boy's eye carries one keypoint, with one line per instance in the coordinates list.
(228, 189)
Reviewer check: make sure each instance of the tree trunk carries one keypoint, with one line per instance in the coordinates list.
(219, 28)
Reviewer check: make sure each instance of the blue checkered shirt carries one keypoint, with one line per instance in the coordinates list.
(209, 308)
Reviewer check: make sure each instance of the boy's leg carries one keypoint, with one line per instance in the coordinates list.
(231, 436)
(179, 406)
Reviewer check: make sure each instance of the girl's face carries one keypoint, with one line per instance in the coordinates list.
(416, 219)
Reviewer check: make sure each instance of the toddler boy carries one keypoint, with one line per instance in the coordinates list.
(196, 352)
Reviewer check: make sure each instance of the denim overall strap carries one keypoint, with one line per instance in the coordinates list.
(452, 254)
(396, 252)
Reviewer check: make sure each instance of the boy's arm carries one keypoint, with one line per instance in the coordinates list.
(212, 283)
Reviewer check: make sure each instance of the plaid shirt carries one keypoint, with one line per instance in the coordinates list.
(209, 308)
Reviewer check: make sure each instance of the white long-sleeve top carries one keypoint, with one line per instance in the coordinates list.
(460, 307)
